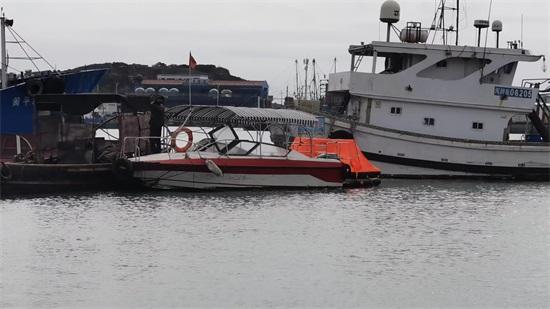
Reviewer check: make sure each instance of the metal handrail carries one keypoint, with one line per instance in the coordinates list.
(532, 82)
(542, 102)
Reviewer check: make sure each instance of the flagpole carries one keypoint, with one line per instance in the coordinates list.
(189, 79)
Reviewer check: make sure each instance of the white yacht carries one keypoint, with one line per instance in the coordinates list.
(442, 110)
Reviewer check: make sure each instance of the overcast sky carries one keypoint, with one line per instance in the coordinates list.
(254, 39)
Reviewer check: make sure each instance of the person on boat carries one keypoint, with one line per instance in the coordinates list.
(156, 122)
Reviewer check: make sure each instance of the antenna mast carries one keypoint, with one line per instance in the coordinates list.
(4, 59)
(442, 21)
(438, 23)
(7, 24)
(457, 17)
(315, 92)
(521, 42)
(306, 62)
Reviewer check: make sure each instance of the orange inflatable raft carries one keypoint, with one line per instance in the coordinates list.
(360, 172)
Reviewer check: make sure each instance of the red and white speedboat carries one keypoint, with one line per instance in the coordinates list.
(226, 158)
(203, 170)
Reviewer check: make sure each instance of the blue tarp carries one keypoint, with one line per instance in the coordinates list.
(83, 81)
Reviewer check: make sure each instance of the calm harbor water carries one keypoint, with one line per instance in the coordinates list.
(404, 244)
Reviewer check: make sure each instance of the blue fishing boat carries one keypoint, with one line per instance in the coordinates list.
(17, 101)
(18, 115)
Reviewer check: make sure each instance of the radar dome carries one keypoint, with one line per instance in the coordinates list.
(390, 11)
(496, 26)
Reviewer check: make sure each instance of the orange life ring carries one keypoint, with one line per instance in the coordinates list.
(174, 137)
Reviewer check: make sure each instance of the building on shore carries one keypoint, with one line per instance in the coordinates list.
(177, 89)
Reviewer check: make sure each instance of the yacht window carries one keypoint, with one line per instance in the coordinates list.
(502, 75)
(477, 125)
(395, 110)
(456, 68)
(336, 102)
(395, 63)
(429, 121)
(509, 67)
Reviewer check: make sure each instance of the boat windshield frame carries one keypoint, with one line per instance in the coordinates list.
(283, 135)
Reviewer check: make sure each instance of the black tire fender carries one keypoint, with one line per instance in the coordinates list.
(34, 87)
(5, 172)
(123, 167)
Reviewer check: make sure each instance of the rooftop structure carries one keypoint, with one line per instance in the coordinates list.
(177, 88)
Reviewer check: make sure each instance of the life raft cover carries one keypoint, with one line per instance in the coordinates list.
(346, 150)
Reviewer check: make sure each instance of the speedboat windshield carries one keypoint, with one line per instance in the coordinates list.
(240, 142)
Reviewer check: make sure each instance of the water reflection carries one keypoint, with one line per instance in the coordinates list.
(405, 243)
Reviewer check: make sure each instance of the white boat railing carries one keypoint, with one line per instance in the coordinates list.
(227, 147)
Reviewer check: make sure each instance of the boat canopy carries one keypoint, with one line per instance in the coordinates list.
(237, 116)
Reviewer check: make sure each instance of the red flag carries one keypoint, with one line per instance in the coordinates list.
(192, 62)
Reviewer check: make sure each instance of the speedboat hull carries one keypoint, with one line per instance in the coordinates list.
(238, 173)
